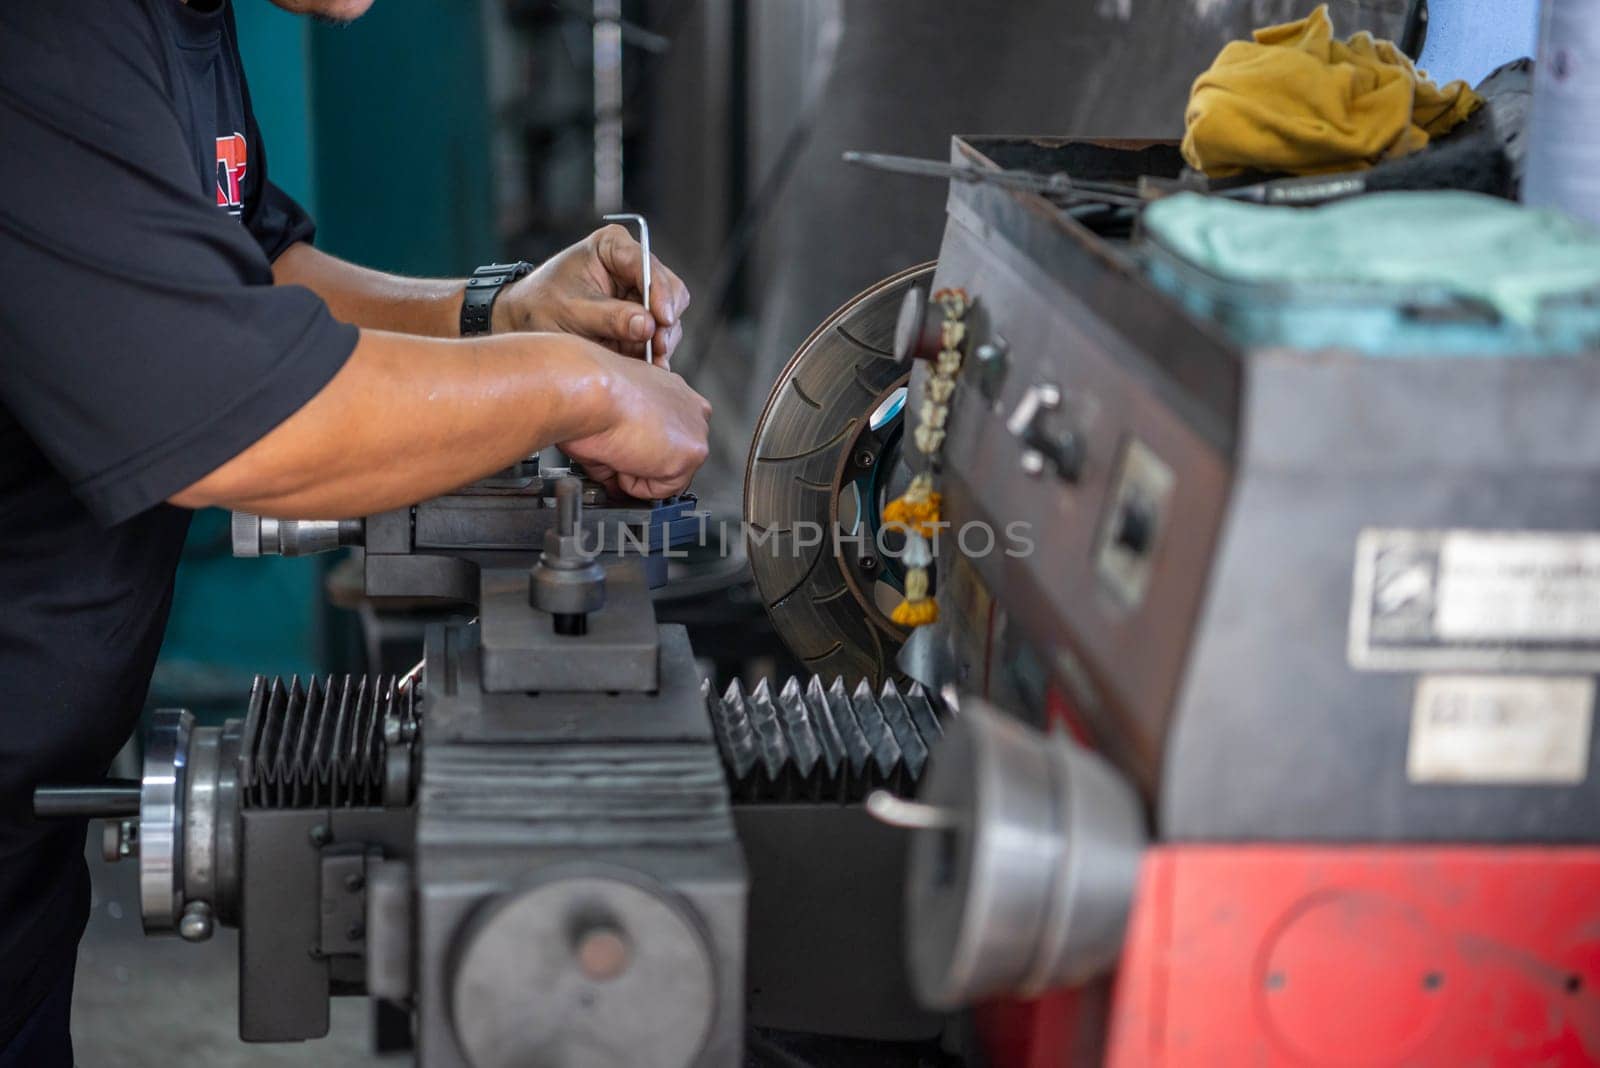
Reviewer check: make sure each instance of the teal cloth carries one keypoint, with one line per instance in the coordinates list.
(1480, 247)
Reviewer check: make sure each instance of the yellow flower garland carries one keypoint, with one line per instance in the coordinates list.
(917, 510)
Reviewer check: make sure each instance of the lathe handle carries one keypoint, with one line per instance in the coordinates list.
(111, 799)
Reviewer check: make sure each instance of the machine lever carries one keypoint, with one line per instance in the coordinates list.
(911, 815)
(108, 800)
(1062, 448)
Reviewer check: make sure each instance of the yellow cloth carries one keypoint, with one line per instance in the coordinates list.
(1297, 100)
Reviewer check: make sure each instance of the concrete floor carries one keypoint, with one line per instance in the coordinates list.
(162, 1003)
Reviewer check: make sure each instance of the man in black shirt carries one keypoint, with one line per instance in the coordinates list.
(169, 340)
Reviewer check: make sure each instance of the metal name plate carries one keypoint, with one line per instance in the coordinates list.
(1475, 600)
(1501, 729)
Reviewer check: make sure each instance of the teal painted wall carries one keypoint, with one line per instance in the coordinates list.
(277, 56)
(402, 138)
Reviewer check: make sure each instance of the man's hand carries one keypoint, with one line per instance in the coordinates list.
(593, 290)
(408, 418)
(656, 442)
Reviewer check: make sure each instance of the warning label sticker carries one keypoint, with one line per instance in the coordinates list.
(1500, 729)
(1475, 600)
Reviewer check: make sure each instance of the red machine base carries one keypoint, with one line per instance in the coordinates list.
(1287, 955)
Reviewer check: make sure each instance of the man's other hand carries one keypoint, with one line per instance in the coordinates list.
(657, 438)
(592, 289)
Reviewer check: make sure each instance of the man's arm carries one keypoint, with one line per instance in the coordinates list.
(146, 354)
(373, 300)
(590, 289)
(409, 418)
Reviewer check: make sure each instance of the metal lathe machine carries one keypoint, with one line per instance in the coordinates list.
(1260, 735)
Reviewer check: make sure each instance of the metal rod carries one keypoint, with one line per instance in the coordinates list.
(644, 247)
(112, 799)
(912, 815)
(569, 504)
(1058, 184)
(607, 41)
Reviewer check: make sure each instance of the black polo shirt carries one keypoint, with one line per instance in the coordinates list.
(142, 344)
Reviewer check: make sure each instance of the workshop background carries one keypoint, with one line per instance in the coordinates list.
(436, 135)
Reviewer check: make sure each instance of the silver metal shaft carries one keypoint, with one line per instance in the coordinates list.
(568, 503)
(644, 246)
(911, 815)
(1058, 184)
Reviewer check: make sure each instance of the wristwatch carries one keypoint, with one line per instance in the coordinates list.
(482, 289)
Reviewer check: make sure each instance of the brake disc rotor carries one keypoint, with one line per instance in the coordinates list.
(824, 460)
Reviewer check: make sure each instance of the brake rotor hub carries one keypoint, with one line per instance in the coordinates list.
(825, 459)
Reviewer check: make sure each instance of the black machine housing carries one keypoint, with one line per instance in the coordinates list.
(538, 808)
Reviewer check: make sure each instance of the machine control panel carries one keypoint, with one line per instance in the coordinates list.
(1098, 423)
(1051, 433)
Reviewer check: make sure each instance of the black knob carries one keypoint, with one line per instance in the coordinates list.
(1056, 443)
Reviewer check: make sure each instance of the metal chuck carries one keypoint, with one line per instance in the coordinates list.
(567, 582)
(1023, 868)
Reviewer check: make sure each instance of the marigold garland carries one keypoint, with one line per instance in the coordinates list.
(917, 510)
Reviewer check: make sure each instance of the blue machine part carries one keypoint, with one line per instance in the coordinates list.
(1468, 39)
(871, 487)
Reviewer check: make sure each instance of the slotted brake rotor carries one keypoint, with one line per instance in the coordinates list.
(825, 459)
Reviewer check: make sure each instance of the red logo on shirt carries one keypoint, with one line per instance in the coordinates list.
(232, 158)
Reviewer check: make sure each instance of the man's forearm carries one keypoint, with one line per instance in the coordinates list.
(381, 435)
(371, 299)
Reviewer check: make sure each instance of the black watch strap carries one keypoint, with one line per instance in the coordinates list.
(482, 289)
